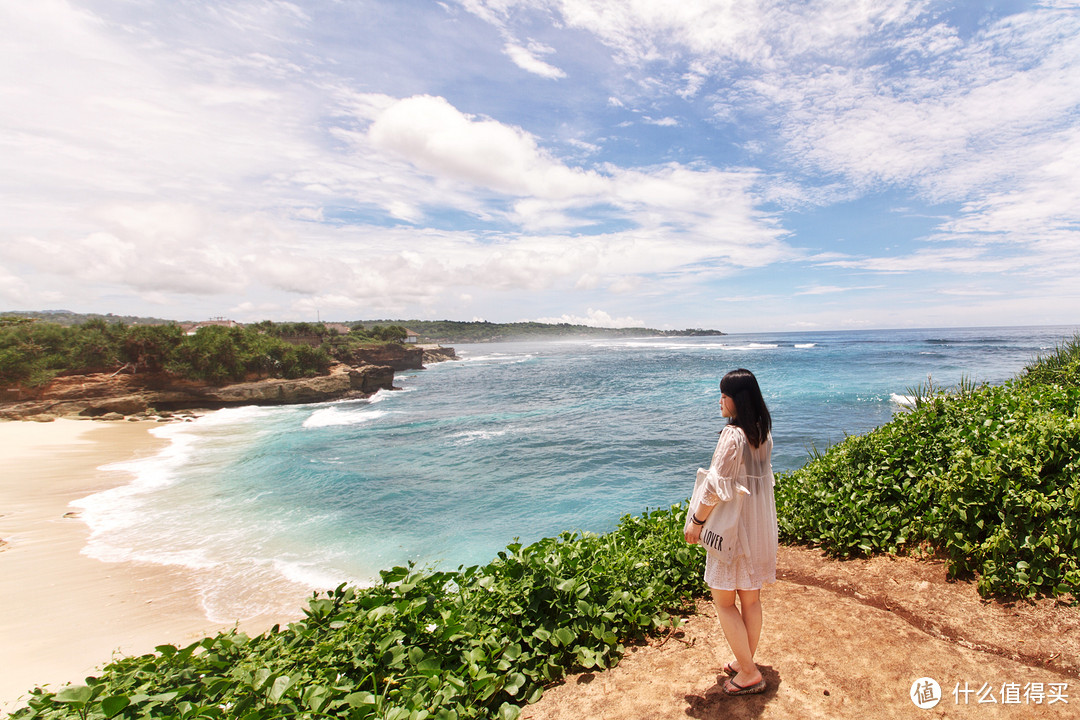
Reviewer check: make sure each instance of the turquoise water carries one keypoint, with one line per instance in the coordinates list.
(516, 440)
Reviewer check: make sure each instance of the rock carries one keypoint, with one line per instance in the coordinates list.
(435, 354)
(124, 405)
(154, 395)
(281, 392)
(109, 416)
(398, 357)
(43, 417)
(372, 378)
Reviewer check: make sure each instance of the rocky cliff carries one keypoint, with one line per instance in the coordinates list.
(99, 395)
(402, 357)
(399, 357)
(437, 353)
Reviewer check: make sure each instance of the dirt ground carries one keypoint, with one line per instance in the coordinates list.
(848, 640)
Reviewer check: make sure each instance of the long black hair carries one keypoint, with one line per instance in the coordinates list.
(750, 412)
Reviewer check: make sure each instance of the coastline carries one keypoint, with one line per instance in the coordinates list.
(843, 639)
(63, 615)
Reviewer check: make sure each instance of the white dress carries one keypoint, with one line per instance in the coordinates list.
(740, 473)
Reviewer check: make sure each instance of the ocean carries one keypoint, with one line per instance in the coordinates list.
(514, 441)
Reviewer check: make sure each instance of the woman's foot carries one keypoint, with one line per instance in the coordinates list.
(732, 668)
(744, 684)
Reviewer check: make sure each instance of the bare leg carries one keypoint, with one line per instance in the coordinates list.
(750, 606)
(735, 630)
(750, 609)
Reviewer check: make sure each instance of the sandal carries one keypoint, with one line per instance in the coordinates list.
(754, 689)
(730, 670)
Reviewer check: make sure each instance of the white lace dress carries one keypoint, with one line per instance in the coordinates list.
(740, 473)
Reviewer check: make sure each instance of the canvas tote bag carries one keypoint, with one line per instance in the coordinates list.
(719, 534)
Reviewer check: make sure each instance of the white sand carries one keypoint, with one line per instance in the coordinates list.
(62, 614)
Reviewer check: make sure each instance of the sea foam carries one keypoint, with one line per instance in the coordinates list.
(331, 416)
(904, 401)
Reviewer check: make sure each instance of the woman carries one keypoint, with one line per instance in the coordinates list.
(740, 482)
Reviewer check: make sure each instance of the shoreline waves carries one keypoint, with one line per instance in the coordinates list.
(65, 614)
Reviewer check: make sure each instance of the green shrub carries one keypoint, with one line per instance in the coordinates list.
(990, 477)
(149, 347)
(1061, 367)
(33, 352)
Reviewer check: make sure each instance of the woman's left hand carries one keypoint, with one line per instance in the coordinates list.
(693, 534)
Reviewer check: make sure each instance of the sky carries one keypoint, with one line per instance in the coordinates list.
(768, 165)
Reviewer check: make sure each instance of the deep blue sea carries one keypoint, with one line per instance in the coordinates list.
(515, 440)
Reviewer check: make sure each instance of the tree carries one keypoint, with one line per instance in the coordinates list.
(150, 347)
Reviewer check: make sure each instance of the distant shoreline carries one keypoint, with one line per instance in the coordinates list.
(430, 331)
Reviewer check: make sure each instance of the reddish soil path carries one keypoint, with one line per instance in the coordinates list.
(848, 640)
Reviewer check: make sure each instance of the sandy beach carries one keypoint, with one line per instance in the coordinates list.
(64, 614)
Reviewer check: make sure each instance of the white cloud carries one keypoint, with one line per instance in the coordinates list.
(438, 138)
(834, 289)
(949, 128)
(971, 292)
(693, 82)
(712, 32)
(594, 318)
(527, 60)
(662, 122)
(14, 289)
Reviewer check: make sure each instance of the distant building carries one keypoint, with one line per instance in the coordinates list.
(192, 328)
(411, 336)
(342, 328)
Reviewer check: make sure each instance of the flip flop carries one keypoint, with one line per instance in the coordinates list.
(754, 689)
(730, 670)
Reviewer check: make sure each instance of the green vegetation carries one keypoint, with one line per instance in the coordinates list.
(322, 333)
(1061, 367)
(989, 476)
(68, 318)
(33, 352)
(475, 643)
(449, 331)
(443, 331)
(220, 355)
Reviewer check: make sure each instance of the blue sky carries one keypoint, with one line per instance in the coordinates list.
(769, 165)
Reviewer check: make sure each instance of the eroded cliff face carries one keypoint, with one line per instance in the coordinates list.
(435, 354)
(100, 395)
(399, 357)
